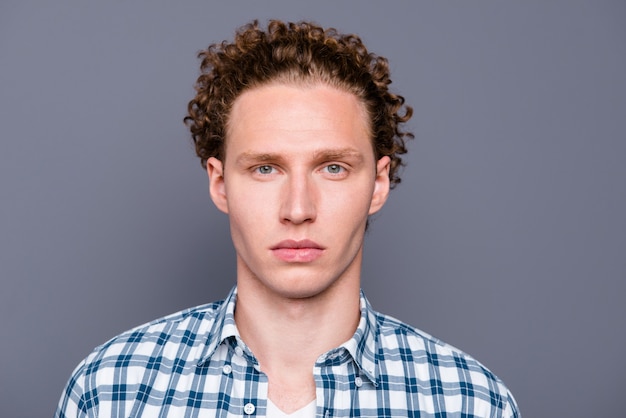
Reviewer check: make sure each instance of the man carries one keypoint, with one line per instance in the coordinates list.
(301, 139)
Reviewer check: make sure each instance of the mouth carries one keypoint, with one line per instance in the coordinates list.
(292, 251)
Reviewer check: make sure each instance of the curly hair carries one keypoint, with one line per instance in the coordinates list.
(295, 53)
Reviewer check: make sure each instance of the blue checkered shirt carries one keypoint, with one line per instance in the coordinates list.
(194, 364)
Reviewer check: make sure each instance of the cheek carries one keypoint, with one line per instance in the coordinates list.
(245, 201)
(246, 234)
(249, 212)
(350, 204)
(247, 218)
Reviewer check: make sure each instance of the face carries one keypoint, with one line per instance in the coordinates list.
(298, 182)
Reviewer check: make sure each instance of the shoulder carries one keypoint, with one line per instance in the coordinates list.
(179, 336)
(443, 368)
(395, 334)
(116, 370)
(185, 324)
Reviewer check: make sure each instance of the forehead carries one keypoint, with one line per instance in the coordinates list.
(291, 100)
(297, 109)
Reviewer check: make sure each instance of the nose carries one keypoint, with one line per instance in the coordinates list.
(298, 200)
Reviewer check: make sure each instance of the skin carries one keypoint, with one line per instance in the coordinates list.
(298, 181)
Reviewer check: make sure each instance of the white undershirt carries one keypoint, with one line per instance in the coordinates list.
(307, 411)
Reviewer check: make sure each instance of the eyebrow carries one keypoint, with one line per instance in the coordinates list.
(250, 157)
(338, 154)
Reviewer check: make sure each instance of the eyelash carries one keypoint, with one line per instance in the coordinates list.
(261, 167)
(341, 169)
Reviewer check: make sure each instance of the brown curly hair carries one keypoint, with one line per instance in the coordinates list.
(295, 53)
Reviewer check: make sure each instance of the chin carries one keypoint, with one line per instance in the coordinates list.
(299, 288)
(301, 292)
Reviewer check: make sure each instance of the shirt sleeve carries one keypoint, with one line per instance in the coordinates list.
(511, 410)
(73, 402)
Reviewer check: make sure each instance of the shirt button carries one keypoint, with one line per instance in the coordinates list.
(227, 369)
(239, 351)
(249, 409)
(358, 382)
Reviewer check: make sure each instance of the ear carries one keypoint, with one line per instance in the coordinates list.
(217, 189)
(381, 185)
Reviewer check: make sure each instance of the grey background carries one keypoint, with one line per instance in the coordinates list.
(507, 237)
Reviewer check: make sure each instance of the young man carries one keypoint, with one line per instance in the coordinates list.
(301, 140)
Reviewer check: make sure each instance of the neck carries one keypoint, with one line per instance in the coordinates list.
(291, 332)
(288, 334)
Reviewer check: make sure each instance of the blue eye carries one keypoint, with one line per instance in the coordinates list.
(334, 168)
(265, 169)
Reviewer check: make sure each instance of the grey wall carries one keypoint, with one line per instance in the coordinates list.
(507, 237)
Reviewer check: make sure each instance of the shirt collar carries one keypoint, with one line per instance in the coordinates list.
(223, 326)
(361, 346)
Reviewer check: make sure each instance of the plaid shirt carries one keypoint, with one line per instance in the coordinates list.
(193, 364)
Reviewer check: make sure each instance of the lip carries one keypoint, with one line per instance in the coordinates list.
(292, 251)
